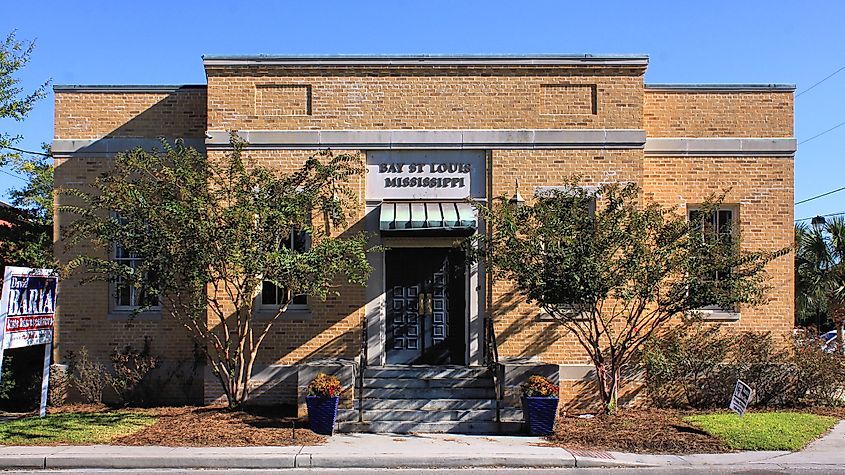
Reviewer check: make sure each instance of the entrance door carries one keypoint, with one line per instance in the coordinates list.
(425, 306)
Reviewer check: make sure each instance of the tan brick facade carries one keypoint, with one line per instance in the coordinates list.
(707, 113)
(285, 98)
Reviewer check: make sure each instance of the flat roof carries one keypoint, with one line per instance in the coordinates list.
(430, 60)
(721, 87)
(117, 88)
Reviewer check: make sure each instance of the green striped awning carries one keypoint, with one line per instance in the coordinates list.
(418, 215)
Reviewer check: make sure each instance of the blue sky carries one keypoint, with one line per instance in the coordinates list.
(157, 42)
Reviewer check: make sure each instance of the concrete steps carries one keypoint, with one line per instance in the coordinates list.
(452, 427)
(426, 404)
(426, 399)
(429, 393)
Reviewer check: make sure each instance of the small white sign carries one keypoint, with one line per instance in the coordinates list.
(741, 397)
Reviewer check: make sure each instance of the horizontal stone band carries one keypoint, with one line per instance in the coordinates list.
(433, 139)
(780, 147)
(112, 145)
(451, 139)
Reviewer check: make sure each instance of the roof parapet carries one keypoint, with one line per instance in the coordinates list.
(118, 88)
(636, 60)
(721, 87)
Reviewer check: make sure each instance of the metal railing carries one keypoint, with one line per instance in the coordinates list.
(362, 365)
(492, 360)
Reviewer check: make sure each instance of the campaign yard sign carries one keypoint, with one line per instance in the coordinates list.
(27, 312)
(741, 397)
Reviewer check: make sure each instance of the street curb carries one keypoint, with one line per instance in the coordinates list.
(22, 461)
(182, 462)
(594, 462)
(430, 461)
(59, 461)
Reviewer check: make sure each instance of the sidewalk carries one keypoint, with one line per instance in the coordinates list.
(403, 451)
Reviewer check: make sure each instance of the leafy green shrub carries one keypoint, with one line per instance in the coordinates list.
(697, 365)
(685, 367)
(820, 374)
(7, 380)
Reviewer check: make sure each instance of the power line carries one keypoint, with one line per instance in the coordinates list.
(26, 151)
(819, 196)
(13, 175)
(823, 80)
(819, 135)
(824, 216)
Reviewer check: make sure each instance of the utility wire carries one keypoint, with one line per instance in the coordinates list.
(819, 135)
(26, 151)
(819, 196)
(13, 175)
(823, 80)
(824, 216)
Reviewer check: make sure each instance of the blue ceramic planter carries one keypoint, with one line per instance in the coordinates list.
(540, 413)
(322, 412)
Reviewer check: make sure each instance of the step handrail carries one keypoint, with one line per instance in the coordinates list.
(362, 365)
(492, 357)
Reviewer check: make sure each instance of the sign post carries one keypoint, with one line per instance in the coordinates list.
(27, 312)
(741, 397)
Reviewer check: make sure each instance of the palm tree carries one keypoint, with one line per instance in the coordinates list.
(810, 304)
(820, 274)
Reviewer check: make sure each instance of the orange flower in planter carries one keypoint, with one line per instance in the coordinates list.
(538, 386)
(325, 386)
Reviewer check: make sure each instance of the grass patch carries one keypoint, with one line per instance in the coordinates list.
(764, 430)
(73, 428)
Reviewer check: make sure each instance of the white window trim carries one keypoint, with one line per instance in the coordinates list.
(714, 313)
(544, 316)
(293, 309)
(126, 312)
(543, 191)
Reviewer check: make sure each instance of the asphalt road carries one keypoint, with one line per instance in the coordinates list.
(744, 470)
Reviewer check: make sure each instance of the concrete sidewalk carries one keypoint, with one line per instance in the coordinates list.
(403, 451)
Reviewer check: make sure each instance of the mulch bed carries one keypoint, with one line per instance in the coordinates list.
(213, 426)
(654, 431)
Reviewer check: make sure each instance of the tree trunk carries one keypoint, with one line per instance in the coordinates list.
(607, 377)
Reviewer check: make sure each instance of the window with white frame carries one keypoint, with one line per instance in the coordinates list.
(273, 296)
(719, 223)
(542, 192)
(126, 296)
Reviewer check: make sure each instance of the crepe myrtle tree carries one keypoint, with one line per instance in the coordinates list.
(613, 272)
(205, 234)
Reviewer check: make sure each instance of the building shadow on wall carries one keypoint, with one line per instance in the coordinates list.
(585, 397)
(182, 113)
(535, 335)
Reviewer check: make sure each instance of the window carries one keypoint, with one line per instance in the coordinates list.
(130, 297)
(273, 296)
(719, 223)
(587, 196)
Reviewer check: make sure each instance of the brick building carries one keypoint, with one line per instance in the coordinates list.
(435, 130)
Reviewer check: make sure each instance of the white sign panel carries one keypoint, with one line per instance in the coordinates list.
(27, 307)
(425, 175)
(741, 397)
(27, 312)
